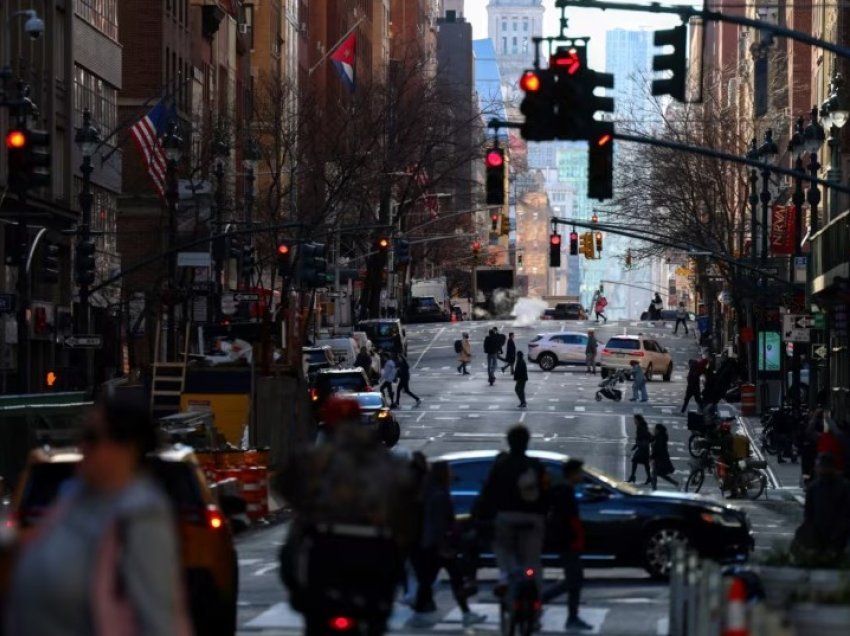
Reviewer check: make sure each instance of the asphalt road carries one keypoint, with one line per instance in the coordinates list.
(464, 413)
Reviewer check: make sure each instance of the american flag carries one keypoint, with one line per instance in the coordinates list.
(146, 134)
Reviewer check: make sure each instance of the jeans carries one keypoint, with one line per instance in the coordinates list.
(570, 584)
(692, 392)
(427, 563)
(639, 389)
(388, 387)
(518, 542)
(404, 385)
(520, 391)
(492, 363)
(684, 322)
(590, 359)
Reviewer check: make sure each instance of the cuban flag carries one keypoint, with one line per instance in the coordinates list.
(343, 57)
(147, 134)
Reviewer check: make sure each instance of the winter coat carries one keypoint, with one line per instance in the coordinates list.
(465, 354)
(638, 376)
(660, 454)
(516, 483)
(403, 369)
(521, 371)
(681, 314)
(640, 450)
(600, 305)
(824, 497)
(564, 523)
(510, 355)
(438, 517)
(492, 344)
(592, 346)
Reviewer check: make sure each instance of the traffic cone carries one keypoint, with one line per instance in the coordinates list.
(736, 609)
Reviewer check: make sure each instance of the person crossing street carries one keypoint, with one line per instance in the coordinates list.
(492, 347)
(403, 375)
(659, 456)
(590, 351)
(520, 377)
(388, 377)
(638, 383)
(510, 354)
(681, 317)
(464, 354)
(599, 308)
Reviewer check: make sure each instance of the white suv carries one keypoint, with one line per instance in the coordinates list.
(619, 351)
(552, 349)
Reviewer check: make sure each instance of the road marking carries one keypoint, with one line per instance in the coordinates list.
(463, 406)
(266, 569)
(522, 417)
(246, 562)
(434, 407)
(493, 407)
(580, 409)
(431, 344)
(421, 415)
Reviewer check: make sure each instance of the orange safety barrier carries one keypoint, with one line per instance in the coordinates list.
(736, 610)
(748, 399)
(255, 490)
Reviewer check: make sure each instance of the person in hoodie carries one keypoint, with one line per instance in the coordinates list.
(659, 456)
(521, 378)
(388, 377)
(510, 354)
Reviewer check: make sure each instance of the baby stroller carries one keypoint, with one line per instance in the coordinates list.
(608, 387)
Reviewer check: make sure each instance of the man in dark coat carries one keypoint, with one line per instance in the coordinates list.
(827, 526)
(693, 389)
(510, 353)
(492, 347)
(659, 455)
(520, 377)
(568, 532)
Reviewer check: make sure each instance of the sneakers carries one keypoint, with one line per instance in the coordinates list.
(418, 401)
(578, 625)
(471, 618)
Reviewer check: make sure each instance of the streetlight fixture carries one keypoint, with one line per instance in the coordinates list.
(87, 138)
(221, 151)
(172, 144)
(797, 148)
(753, 155)
(768, 153)
(834, 115)
(814, 138)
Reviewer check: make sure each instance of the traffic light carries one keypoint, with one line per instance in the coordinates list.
(598, 103)
(600, 163)
(573, 243)
(675, 63)
(50, 263)
(495, 165)
(50, 379)
(599, 242)
(587, 246)
(555, 250)
(284, 260)
(28, 154)
(538, 105)
(16, 154)
(247, 260)
(402, 252)
(494, 222)
(312, 265)
(571, 107)
(476, 248)
(85, 263)
(39, 159)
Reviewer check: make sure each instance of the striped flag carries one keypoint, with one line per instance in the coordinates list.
(146, 133)
(344, 57)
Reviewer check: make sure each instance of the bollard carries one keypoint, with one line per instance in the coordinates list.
(693, 592)
(715, 600)
(736, 610)
(677, 582)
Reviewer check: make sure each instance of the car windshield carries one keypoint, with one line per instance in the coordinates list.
(380, 330)
(316, 357)
(536, 339)
(623, 343)
(370, 401)
(427, 303)
(611, 482)
(352, 382)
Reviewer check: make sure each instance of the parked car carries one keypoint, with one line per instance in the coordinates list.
(345, 348)
(314, 359)
(207, 552)
(387, 334)
(550, 350)
(619, 351)
(548, 314)
(425, 309)
(624, 526)
(376, 413)
(569, 311)
(669, 315)
(331, 381)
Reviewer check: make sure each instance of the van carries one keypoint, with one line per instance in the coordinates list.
(344, 348)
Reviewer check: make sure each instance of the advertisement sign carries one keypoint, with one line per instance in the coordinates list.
(783, 220)
(770, 351)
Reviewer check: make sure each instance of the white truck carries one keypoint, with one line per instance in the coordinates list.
(435, 288)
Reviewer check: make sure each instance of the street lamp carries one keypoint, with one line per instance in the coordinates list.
(221, 151)
(797, 148)
(814, 138)
(834, 114)
(87, 138)
(753, 155)
(768, 153)
(172, 144)
(252, 156)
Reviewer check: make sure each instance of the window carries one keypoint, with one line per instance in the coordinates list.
(504, 25)
(760, 86)
(623, 343)
(514, 45)
(525, 45)
(516, 26)
(525, 25)
(98, 96)
(505, 45)
(101, 14)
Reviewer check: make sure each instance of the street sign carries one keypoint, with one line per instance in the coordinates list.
(820, 352)
(79, 341)
(245, 297)
(792, 329)
(7, 303)
(820, 321)
(800, 269)
(339, 294)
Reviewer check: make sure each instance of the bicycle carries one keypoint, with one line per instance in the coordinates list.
(520, 604)
(745, 476)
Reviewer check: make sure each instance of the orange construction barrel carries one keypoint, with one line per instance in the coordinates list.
(748, 399)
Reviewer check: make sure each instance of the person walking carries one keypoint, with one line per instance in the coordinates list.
(681, 317)
(566, 528)
(403, 375)
(107, 549)
(590, 351)
(520, 377)
(599, 308)
(388, 377)
(638, 383)
(438, 550)
(823, 530)
(657, 306)
(692, 389)
(492, 348)
(510, 353)
(641, 448)
(659, 456)
(464, 356)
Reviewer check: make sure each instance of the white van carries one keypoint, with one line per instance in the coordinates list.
(345, 349)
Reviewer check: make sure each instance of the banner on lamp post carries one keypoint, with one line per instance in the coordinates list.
(783, 222)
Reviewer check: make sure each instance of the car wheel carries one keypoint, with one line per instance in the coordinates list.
(658, 549)
(547, 361)
(649, 372)
(669, 375)
(604, 373)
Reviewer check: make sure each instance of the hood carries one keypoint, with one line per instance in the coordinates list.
(689, 498)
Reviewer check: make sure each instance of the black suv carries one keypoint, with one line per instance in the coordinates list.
(331, 381)
(569, 311)
(425, 309)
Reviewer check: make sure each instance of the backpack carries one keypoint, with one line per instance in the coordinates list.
(458, 346)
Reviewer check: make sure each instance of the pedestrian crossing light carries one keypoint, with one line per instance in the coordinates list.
(555, 250)
(494, 222)
(284, 260)
(50, 379)
(476, 249)
(573, 243)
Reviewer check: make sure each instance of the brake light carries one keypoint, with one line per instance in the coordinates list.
(11, 521)
(314, 394)
(606, 350)
(529, 572)
(215, 519)
(341, 624)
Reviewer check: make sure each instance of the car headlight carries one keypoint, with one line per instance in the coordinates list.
(721, 519)
(382, 415)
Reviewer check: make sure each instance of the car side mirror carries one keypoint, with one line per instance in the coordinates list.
(664, 350)
(595, 492)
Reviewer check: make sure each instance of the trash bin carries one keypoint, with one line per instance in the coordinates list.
(748, 399)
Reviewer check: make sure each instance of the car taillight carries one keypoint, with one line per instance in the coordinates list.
(341, 624)
(215, 519)
(606, 350)
(314, 395)
(529, 573)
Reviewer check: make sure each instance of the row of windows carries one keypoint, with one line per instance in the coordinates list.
(177, 76)
(178, 9)
(515, 22)
(101, 14)
(515, 46)
(100, 97)
(104, 216)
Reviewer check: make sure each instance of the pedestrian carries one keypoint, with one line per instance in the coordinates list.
(107, 549)
(590, 351)
(659, 456)
(692, 389)
(388, 377)
(681, 317)
(809, 442)
(492, 348)
(438, 550)
(403, 375)
(568, 537)
(364, 360)
(520, 377)
(826, 526)
(599, 308)
(657, 306)
(510, 353)
(830, 441)
(464, 355)
(638, 383)
(641, 448)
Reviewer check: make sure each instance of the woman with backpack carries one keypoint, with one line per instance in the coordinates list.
(640, 450)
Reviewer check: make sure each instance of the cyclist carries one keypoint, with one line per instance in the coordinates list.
(516, 497)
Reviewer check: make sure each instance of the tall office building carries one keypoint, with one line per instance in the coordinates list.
(511, 25)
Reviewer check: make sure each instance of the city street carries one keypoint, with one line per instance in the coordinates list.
(461, 413)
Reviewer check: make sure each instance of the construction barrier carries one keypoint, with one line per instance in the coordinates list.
(248, 469)
(748, 399)
(255, 490)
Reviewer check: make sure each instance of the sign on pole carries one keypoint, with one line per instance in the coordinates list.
(245, 297)
(797, 328)
(820, 352)
(228, 304)
(83, 341)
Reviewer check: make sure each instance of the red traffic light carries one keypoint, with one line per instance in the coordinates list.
(476, 246)
(555, 239)
(530, 82)
(568, 60)
(494, 217)
(50, 379)
(282, 249)
(495, 158)
(383, 243)
(16, 139)
(573, 236)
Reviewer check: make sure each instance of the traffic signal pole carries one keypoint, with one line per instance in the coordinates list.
(23, 304)
(86, 199)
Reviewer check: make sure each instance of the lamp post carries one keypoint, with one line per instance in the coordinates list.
(768, 152)
(219, 249)
(87, 139)
(797, 148)
(172, 144)
(814, 138)
(834, 115)
(252, 156)
(753, 154)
